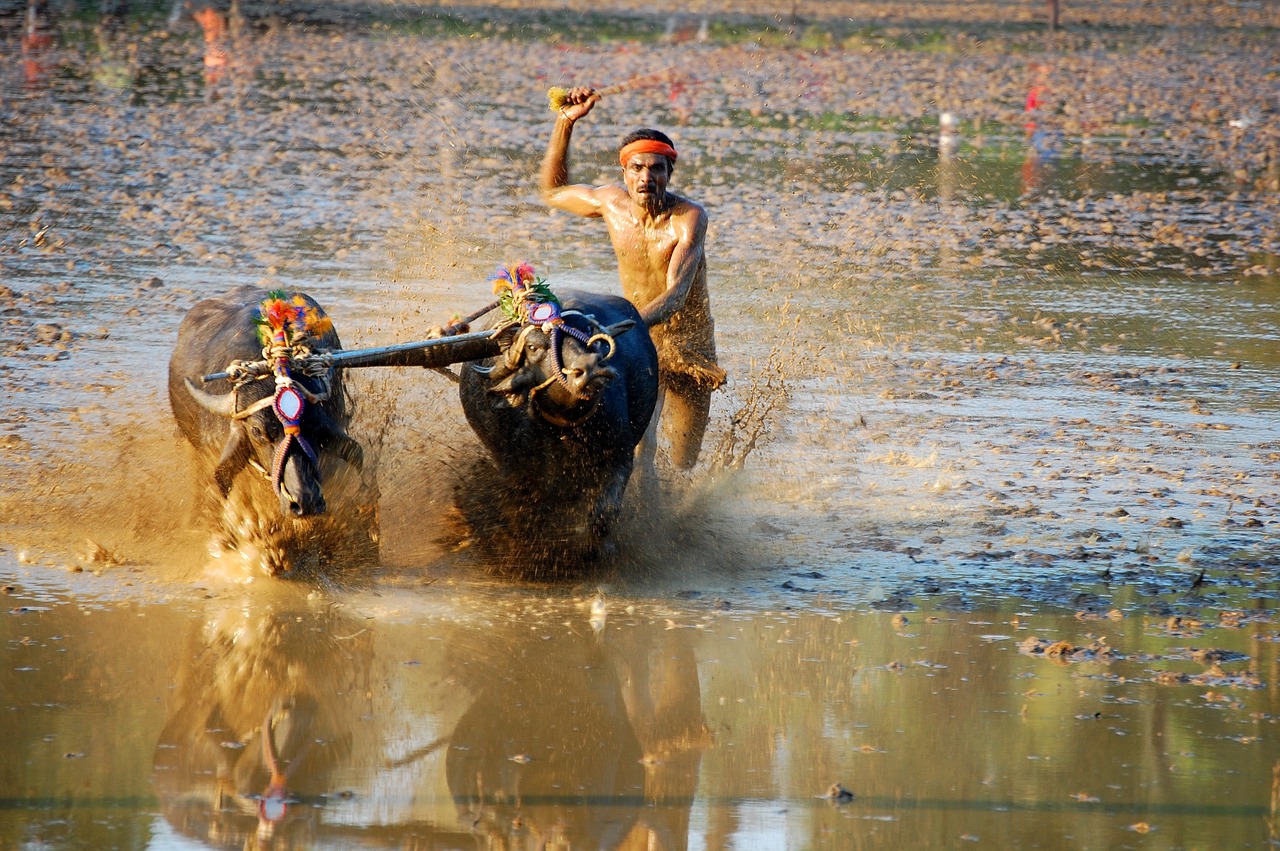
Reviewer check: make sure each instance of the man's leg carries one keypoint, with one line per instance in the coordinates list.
(685, 413)
(647, 456)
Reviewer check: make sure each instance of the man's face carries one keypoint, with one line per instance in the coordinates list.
(646, 176)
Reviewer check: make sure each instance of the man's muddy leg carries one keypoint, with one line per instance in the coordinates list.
(687, 408)
(646, 469)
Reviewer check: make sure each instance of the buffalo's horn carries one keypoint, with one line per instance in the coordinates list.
(500, 371)
(617, 329)
(223, 406)
(504, 365)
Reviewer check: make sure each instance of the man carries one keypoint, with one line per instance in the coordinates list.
(659, 239)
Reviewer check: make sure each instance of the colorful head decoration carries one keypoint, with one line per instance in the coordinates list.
(282, 324)
(522, 294)
(527, 299)
(645, 146)
(295, 317)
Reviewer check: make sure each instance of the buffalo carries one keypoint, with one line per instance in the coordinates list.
(279, 410)
(560, 410)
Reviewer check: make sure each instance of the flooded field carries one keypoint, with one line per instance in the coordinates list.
(450, 718)
(982, 547)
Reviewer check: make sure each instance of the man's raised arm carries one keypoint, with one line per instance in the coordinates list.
(553, 177)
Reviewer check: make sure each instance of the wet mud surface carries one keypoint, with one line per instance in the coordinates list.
(1022, 371)
(1063, 357)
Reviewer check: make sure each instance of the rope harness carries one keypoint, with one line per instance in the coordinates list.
(289, 347)
(515, 355)
(530, 305)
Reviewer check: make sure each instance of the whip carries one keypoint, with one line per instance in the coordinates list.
(556, 95)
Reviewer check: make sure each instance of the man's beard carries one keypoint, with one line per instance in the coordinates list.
(654, 202)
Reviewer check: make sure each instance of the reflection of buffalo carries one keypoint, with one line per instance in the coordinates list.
(590, 745)
(298, 726)
(247, 425)
(259, 727)
(561, 412)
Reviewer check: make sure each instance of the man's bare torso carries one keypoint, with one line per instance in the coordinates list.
(643, 245)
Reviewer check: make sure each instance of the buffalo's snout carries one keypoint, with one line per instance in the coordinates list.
(303, 507)
(589, 377)
(300, 494)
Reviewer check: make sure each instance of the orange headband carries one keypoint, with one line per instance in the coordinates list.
(645, 146)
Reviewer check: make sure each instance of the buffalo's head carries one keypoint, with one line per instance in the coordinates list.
(557, 369)
(283, 435)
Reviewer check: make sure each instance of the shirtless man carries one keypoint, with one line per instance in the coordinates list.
(658, 238)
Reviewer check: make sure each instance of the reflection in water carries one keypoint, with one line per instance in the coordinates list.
(263, 715)
(117, 61)
(278, 738)
(37, 39)
(284, 747)
(600, 750)
(948, 137)
(215, 43)
(1043, 138)
(505, 720)
(948, 178)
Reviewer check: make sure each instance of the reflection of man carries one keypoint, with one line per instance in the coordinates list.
(36, 41)
(215, 43)
(617, 721)
(658, 238)
(1040, 141)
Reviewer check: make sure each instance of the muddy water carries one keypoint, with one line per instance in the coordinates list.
(999, 401)
(444, 717)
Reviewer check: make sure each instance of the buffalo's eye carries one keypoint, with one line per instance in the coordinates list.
(257, 432)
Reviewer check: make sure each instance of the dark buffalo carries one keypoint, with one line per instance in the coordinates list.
(235, 426)
(561, 420)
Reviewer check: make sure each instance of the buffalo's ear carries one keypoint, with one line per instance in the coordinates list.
(507, 336)
(514, 386)
(235, 454)
(337, 438)
(617, 329)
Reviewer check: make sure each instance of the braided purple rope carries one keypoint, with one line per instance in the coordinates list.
(581, 337)
(282, 452)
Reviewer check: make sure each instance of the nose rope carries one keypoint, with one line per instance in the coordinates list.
(558, 362)
(555, 419)
(282, 452)
(515, 353)
(562, 327)
(288, 404)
